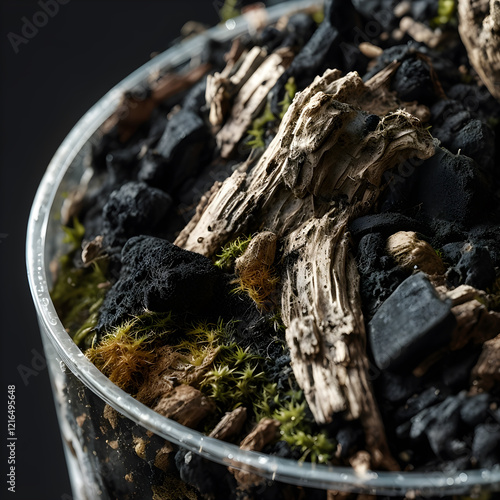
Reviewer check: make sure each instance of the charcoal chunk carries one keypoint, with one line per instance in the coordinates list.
(161, 277)
(476, 140)
(320, 52)
(350, 438)
(475, 409)
(179, 154)
(132, 210)
(475, 268)
(379, 274)
(440, 424)
(414, 405)
(410, 324)
(396, 387)
(386, 223)
(412, 81)
(451, 187)
(209, 478)
(486, 445)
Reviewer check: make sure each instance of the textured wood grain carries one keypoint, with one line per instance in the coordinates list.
(323, 168)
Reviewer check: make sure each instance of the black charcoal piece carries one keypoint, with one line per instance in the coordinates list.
(380, 275)
(386, 223)
(179, 154)
(132, 210)
(475, 268)
(378, 11)
(451, 187)
(440, 424)
(475, 409)
(396, 387)
(209, 478)
(320, 52)
(414, 405)
(350, 439)
(486, 445)
(476, 140)
(299, 29)
(161, 277)
(412, 81)
(411, 324)
(477, 100)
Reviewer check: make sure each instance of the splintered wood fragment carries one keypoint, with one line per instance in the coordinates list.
(133, 111)
(487, 370)
(323, 168)
(185, 405)
(222, 87)
(251, 98)
(264, 433)
(479, 28)
(230, 424)
(474, 324)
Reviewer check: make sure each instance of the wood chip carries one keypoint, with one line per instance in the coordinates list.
(411, 253)
(486, 373)
(250, 100)
(186, 405)
(230, 425)
(479, 28)
(294, 192)
(265, 432)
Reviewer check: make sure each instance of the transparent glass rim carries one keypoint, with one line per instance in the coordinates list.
(271, 467)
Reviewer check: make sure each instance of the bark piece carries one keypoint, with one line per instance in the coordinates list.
(164, 457)
(133, 111)
(410, 252)
(486, 373)
(230, 425)
(323, 169)
(222, 87)
(474, 324)
(265, 432)
(479, 28)
(250, 99)
(185, 405)
(170, 369)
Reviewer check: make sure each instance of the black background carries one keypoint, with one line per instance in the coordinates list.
(81, 52)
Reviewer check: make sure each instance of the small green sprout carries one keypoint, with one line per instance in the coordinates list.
(229, 10)
(291, 90)
(446, 14)
(74, 235)
(231, 251)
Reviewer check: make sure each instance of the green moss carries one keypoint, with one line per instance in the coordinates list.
(291, 90)
(297, 429)
(446, 14)
(260, 124)
(229, 10)
(231, 251)
(78, 294)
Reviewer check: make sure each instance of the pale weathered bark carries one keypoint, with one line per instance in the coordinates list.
(479, 28)
(322, 169)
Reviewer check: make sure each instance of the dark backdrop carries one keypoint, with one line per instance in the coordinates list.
(48, 80)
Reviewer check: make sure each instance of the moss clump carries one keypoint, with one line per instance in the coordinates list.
(230, 252)
(124, 353)
(261, 123)
(78, 292)
(229, 10)
(258, 284)
(446, 14)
